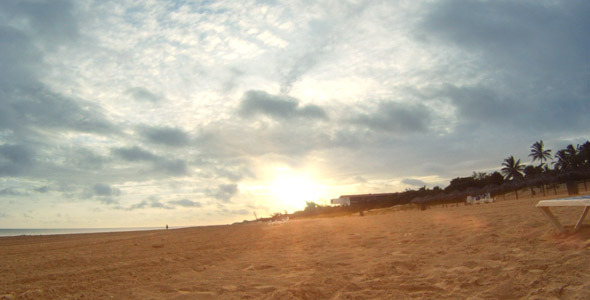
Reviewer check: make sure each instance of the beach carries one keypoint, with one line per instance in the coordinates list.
(501, 250)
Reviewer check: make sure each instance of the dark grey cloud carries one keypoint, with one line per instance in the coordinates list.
(482, 104)
(15, 159)
(224, 192)
(16, 154)
(278, 107)
(19, 58)
(134, 153)
(40, 108)
(42, 189)
(168, 136)
(101, 189)
(151, 202)
(532, 54)
(51, 21)
(168, 166)
(490, 110)
(142, 94)
(536, 34)
(11, 192)
(488, 24)
(83, 159)
(185, 203)
(104, 193)
(174, 167)
(26, 104)
(397, 118)
(413, 182)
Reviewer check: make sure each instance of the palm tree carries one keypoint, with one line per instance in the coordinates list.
(512, 169)
(584, 154)
(563, 161)
(566, 158)
(540, 154)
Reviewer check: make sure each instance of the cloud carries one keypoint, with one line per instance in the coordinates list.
(168, 136)
(134, 153)
(27, 103)
(11, 192)
(51, 21)
(151, 202)
(42, 189)
(535, 34)
(100, 189)
(278, 107)
(319, 39)
(104, 193)
(233, 172)
(29, 31)
(84, 159)
(222, 210)
(397, 118)
(142, 94)
(14, 159)
(224, 192)
(492, 24)
(481, 104)
(175, 167)
(185, 203)
(100, 102)
(521, 56)
(413, 182)
(108, 200)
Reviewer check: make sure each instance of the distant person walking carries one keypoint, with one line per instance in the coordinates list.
(166, 226)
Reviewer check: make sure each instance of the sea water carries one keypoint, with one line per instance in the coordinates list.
(48, 231)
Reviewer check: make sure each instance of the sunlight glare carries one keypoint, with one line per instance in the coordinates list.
(293, 190)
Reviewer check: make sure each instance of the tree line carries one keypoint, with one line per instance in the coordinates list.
(568, 165)
(546, 171)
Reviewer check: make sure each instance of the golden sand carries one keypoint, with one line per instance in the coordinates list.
(503, 250)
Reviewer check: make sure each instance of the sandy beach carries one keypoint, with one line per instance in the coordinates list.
(503, 250)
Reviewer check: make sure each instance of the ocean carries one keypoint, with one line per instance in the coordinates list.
(49, 231)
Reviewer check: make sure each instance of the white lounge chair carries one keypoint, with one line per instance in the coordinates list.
(582, 201)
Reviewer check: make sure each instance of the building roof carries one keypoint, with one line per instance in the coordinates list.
(369, 195)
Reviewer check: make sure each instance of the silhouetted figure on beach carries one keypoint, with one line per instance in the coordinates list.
(166, 226)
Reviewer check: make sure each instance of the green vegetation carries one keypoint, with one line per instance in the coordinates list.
(539, 153)
(571, 165)
(512, 169)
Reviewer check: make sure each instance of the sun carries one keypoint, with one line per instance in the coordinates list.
(293, 190)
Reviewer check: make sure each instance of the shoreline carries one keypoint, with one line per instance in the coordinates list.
(12, 232)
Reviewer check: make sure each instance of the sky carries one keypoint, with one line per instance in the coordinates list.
(145, 113)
